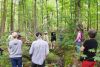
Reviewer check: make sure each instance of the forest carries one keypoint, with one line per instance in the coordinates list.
(59, 16)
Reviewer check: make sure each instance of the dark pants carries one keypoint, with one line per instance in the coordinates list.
(16, 62)
(36, 65)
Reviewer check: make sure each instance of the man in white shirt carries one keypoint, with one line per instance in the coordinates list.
(39, 51)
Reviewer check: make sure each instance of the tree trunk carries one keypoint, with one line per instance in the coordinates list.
(57, 14)
(19, 17)
(78, 11)
(3, 20)
(62, 12)
(88, 26)
(42, 1)
(97, 15)
(47, 17)
(35, 18)
(12, 23)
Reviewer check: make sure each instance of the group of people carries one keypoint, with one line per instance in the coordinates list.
(53, 39)
(38, 50)
(86, 46)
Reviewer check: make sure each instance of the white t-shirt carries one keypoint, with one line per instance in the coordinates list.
(39, 50)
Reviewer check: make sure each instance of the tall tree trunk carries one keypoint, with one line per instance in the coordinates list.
(97, 15)
(35, 17)
(42, 1)
(62, 12)
(57, 14)
(12, 23)
(19, 17)
(78, 11)
(24, 15)
(3, 20)
(88, 26)
(47, 17)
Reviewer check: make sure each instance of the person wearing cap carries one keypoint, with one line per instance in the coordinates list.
(89, 44)
(15, 51)
(39, 51)
(45, 37)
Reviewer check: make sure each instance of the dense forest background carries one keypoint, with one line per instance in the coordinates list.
(37, 15)
(60, 16)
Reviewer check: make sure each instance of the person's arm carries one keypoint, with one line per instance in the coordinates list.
(9, 47)
(31, 50)
(47, 50)
(82, 48)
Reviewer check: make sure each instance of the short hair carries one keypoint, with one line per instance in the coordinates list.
(92, 33)
(14, 34)
(19, 37)
(38, 33)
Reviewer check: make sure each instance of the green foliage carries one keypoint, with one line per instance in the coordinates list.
(3, 38)
(4, 61)
(52, 58)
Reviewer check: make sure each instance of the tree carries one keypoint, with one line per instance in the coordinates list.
(57, 13)
(12, 21)
(3, 20)
(35, 17)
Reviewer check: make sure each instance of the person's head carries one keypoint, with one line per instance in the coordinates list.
(38, 35)
(14, 34)
(79, 29)
(45, 33)
(19, 37)
(92, 33)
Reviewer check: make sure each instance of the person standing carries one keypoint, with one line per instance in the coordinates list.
(78, 39)
(15, 51)
(45, 37)
(53, 40)
(39, 51)
(90, 44)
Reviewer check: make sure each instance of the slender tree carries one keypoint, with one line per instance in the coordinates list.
(97, 13)
(19, 17)
(42, 10)
(88, 25)
(78, 11)
(62, 11)
(35, 17)
(57, 13)
(3, 20)
(12, 21)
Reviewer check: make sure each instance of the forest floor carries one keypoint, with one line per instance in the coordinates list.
(70, 59)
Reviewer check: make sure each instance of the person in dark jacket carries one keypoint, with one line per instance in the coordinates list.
(53, 39)
(88, 45)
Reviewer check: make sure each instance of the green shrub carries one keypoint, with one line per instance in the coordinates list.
(52, 58)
